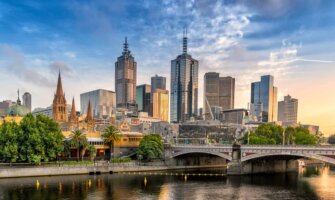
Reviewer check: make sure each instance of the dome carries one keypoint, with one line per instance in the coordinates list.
(17, 110)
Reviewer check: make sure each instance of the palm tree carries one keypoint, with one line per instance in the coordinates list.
(110, 135)
(78, 138)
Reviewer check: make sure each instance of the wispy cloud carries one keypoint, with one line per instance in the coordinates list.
(17, 67)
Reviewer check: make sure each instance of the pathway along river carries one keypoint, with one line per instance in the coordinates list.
(309, 183)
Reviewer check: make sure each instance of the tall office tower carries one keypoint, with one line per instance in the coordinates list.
(102, 103)
(218, 92)
(288, 110)
(125, 80)
(26, 97)
(158, 82)
(59, 107)
(143, 96)
(160, 105)
(184, 86)
(264, 99)
(227, 92)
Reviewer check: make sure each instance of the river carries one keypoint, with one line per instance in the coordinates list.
(309, 183)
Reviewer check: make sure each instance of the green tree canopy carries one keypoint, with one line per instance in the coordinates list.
(110, 135)
(34, 139)
(151, 147)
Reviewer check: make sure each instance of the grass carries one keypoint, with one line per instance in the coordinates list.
(120, 160)
(84, 162)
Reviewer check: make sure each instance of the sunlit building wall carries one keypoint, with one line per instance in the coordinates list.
(161, 104)
(288, 110)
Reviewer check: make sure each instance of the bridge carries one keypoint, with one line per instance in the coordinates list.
(246, 154)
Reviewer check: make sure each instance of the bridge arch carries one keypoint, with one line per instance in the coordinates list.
(303, 155)
(222, 155)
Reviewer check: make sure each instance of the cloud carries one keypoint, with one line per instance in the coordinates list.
(70, 54)
(30, 28)
(61, 66)
(17, 67)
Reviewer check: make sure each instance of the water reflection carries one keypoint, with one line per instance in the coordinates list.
(309, 183)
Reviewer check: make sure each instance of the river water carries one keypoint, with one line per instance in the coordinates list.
(309, 183)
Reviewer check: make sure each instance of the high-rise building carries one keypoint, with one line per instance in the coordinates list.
(125, 80)
(160, 105)
(288, 110)
(264, 99)
(4, 105)
(143, 96)
(26, 97)
(158, 82)
(218, 92)
(59, 107)
(102, 103)
(184, 86)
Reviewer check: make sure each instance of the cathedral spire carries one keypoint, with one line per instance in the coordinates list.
(89, 115)
(73, 110)
(18, 102)
(59, 91)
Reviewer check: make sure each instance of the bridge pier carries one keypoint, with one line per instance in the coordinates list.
(261, 167)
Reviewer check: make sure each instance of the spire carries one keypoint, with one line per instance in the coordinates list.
(89, 115)
(185, 41)
(73, 110)
(59, 91)
(18, 102)
(125, 46)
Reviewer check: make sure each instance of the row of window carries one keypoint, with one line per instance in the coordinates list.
(96, 143)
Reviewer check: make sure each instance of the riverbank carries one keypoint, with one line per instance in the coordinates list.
(56, 170)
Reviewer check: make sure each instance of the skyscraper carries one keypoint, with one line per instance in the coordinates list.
(59, 107)
(160, 105)
(102, 103)
(218, 92)
(288, 110)
(125, 79)
(26, 97)
(158, 82)
(184, 86)
(143, 96)
(264, 99)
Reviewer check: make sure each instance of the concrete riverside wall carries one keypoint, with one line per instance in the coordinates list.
(262, 166)
(11, 172)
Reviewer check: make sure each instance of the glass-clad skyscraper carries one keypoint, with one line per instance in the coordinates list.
(184, 86)
(264, 99)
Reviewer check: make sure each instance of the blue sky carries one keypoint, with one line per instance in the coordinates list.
(290, 39)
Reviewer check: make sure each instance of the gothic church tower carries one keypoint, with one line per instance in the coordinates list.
(59, 109)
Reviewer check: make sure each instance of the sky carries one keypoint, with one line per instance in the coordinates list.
(293, 40)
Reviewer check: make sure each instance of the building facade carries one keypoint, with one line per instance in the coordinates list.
(218, 92)
(158, 82)
(264, 99)
(103, 102)
(234, 116)
(125, 79)
(143, 97)
(160, 103)
(26, 100)
(59, 107)
(288, 110)
(184, 86)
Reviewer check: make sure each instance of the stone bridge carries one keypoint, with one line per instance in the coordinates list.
(243, 155)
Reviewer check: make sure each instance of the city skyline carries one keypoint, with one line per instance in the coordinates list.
(244, 41)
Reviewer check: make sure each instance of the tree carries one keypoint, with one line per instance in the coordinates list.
(289, 135)
(302, 136)
(34, 139)
(111, 135)
(92, 151)
(259, 139)
(270, 131)
(78, 138)
(8, 141)
(67, 148)
(331, 139)
(151, 147)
